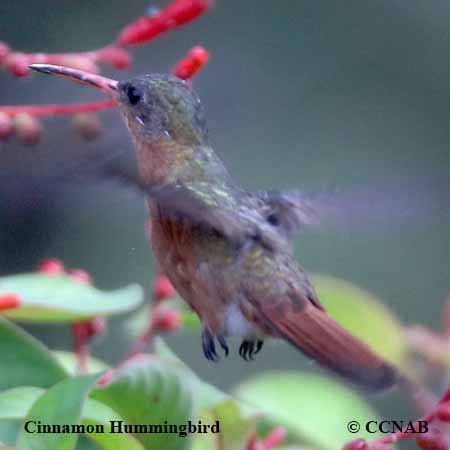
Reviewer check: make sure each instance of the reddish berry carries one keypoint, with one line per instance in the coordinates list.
(51, 267)
(167, 320)
(28, 129)
(6, 126)
(81, 276)
(433, 440)
(443, 412)
(357, 444)
(9, 301)
(88, 125)
(163, 289)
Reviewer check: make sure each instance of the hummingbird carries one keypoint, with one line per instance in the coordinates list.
(227, 251)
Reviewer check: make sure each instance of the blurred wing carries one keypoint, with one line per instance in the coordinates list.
(304, 323)
(289, 211)
(207, 206)
(374, 205)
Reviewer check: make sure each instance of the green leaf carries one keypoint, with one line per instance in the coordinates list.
(365, 316)
(148, 390)
(235, 427)
(24, 360)
(60, 298)
(9, 429)
(70, 363)
(206, 394)
(237, 420)
(62, 404)
(15, 404)
(313, 408)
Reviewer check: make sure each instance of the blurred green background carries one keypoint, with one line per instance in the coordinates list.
(342, 97)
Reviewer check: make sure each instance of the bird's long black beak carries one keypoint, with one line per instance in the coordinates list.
(106, 85)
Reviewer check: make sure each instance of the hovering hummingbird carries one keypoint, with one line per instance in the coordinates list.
(227, 251)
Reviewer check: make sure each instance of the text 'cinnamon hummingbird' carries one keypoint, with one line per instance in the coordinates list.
(227, 251)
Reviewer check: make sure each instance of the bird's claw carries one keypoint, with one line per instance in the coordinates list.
(250, 348)
(209, 346)
(223, 344)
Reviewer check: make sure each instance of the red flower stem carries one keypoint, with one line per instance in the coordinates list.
(80, 346)
(58, 110)
(141, 31)
(446, 396)
(146, 338)
(103, 54)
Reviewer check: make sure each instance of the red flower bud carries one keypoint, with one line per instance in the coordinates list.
(121, 60)
(116, 56)
(357, 444)
(443, 412)
(95, 326)
(183, 11)
(163, 289)
(167, 320)
(17, 64)
(275, 438)
(51, 267)
(177, 13)
(88, 125)
(433, 440)
(28, 129)
(6, 126)
(194, 61)
(81, 276)
(106, 378)
(86, 330)
(9, 301)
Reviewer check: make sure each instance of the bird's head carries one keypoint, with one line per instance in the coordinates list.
(155, 107)
(160, 107)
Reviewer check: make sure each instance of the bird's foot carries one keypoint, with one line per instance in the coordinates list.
(209, 346)
(223, 344)
(249, 348)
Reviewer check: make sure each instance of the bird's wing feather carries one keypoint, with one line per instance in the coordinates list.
(211, 207)
(306, 325)
(197, 203)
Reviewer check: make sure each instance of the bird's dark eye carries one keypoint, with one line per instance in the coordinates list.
(134, 95)
(273, 220)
